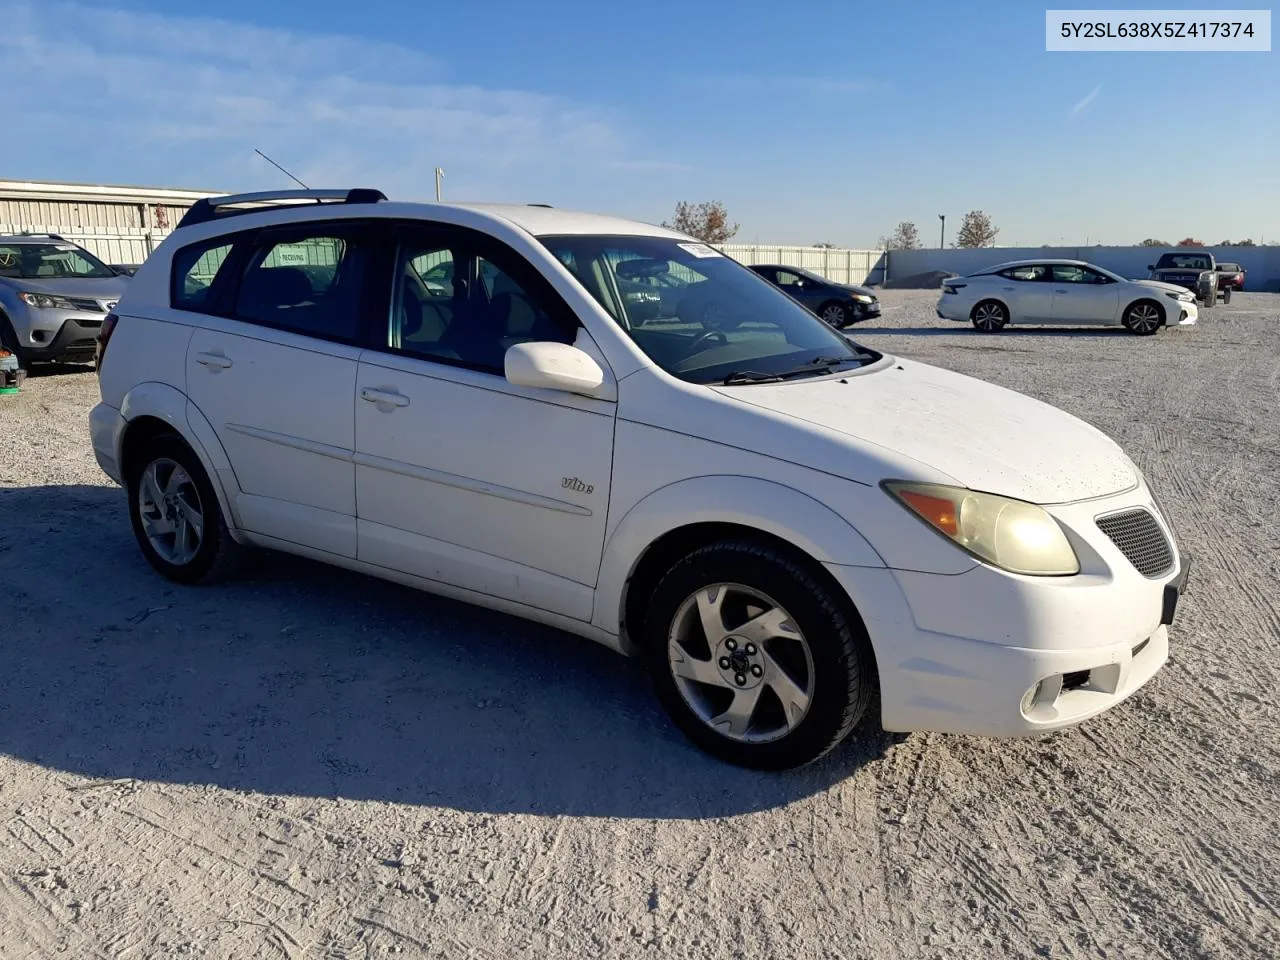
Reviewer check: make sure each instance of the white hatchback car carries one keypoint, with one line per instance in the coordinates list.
(782, 522)
(1063, 292)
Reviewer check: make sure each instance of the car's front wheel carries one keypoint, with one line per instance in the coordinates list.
(836, 314)
(1143, 318)
(990, 316)
(755, 657)
(175, 513)
(1226, 295)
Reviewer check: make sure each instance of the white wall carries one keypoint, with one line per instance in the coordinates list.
(1262, 263)
(839, 264)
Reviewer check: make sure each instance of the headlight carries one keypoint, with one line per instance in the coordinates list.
(1184, 297)
(45, 302)
(863, 298)
(1010, 534)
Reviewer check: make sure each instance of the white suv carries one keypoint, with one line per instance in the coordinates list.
(615, 429)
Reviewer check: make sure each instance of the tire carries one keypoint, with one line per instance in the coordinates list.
(203, 559)
(1143, 317)
(9, 341)
(812, 648)
(835, 314)
(1226, 295)
(989, 316)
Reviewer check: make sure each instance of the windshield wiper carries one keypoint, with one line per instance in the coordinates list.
(750, 376)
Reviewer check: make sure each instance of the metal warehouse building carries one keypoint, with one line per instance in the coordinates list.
(121, 225)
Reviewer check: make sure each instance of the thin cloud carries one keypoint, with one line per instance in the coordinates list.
(184, 100)
(1089, 98)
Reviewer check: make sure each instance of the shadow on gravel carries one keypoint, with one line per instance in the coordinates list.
(57, 369)
(299, 678)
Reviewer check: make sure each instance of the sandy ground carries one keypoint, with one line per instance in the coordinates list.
(310, 764)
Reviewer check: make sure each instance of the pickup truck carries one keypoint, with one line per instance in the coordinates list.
(1230, 277)
(1195, 271)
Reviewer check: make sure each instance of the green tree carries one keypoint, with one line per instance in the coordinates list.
(976, 230)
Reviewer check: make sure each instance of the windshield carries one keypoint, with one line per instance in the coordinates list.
(1194, 261)
(700, 315)
(50, 261)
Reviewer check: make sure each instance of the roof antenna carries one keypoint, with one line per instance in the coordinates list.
(281, 169)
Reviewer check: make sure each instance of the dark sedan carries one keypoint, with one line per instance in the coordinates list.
(840, 304)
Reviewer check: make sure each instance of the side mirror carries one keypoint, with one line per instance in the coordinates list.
(1150, 266)
(552, 366)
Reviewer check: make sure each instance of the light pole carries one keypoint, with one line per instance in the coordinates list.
(942, 232)
(439, 177)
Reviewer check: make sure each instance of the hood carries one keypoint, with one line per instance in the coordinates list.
(107, 288)
(983, 436)
(1161, 285)
(854, 288)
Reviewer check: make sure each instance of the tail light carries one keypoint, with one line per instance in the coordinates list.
(104, 337)
(952, 287)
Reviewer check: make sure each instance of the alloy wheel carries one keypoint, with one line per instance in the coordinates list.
(171, 513)
(1144, 318)
(988, 316)
(741, 663)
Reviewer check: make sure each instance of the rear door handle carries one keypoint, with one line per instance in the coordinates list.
(214, 361)
(1062, 291)
(383, 397)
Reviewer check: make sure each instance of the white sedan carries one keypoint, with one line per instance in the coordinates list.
(1064, 292)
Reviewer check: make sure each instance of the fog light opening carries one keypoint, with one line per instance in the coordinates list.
(1038, 702)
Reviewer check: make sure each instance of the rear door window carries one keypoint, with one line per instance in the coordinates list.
(306, 281)
(195, 269)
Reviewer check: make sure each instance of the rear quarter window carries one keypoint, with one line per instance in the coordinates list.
(195, 268)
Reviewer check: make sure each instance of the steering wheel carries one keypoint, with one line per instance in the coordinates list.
(706, 337)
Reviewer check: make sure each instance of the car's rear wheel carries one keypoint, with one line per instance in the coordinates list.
(836, 314)
(989, 316)
(175, 513)
(1143, 318)
(1226, 295)
(755, 657)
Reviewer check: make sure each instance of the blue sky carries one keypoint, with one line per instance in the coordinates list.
(812, 122)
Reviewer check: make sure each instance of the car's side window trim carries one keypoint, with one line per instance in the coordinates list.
(477, 244)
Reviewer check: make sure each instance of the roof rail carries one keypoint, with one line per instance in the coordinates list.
(41, 233)
(547, 205)
(215, 208)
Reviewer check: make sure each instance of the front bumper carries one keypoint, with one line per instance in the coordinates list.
(993, 654)
(63, 338)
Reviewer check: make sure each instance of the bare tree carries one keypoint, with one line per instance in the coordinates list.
(904, 237)
(976, 230)
(709, 222)
(825, 246)
(1189, 242)
(1149, 242)
(1237, 243)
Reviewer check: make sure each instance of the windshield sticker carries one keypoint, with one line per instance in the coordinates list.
(700, 250)
(66, 246)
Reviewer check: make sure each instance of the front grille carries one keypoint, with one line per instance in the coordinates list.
(1140, 539)
(83, 303)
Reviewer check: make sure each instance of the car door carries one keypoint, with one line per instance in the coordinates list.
(274, 370)
(800, 287)
(462, 477)
(1028, 295)
(1081, 295)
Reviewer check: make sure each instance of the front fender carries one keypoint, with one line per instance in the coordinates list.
(774, 508)
(170, 405)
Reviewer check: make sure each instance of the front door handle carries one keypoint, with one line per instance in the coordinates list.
(1062, 291)
(214, 361)
(384, 398)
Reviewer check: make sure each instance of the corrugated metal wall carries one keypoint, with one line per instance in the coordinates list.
(116, 232)
(835, 263)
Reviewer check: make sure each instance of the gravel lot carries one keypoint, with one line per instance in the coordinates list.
(309, 763)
